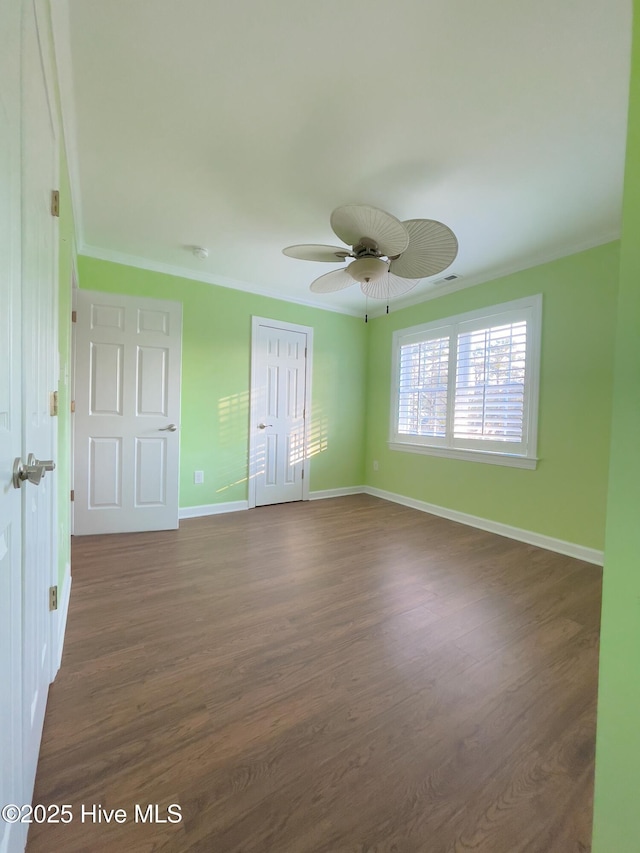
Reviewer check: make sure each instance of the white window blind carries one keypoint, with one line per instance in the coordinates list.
(469, 383)
(424, 372)
(490, 383)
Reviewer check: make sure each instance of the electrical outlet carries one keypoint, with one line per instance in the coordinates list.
(198, 477)
(375, 464)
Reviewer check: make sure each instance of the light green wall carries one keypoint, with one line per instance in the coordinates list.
(216, 352)
(617, 795)
(565, 496)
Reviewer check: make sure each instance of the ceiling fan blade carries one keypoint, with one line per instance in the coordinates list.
(432, 248)
(352, 222)
(332, 281)
(388, 286)
(317, 252)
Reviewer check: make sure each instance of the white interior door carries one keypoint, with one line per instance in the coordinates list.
(39, 378)
(280, 400)
(127, 375)
(12, 836)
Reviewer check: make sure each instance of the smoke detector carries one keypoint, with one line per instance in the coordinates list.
(200, 252)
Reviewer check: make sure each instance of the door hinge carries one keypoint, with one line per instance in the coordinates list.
(305, 352)
(74, 316)
(53, 598)
(73, 494)
(53, 403)
(303, 473)
(73, 405)
(55, 203)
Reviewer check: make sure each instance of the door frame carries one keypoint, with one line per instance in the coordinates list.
(72, 381)
(44, 35)
(256, 323)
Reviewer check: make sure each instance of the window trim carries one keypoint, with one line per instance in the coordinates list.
(529, 308)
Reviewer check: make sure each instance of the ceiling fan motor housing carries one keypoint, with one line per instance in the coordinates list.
(367, 268)
(366, 248)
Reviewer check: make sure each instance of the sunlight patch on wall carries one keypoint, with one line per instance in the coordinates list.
(233, 422)
(318, 435)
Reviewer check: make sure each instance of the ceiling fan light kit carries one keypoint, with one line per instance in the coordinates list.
(388, 256)
(367, 269)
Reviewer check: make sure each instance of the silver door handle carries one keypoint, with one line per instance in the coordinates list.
(170, 428)
(264, 426)
(33, 471)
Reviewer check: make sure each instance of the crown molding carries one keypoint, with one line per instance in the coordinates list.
(492, 275)
(204, 277)
(397, 304)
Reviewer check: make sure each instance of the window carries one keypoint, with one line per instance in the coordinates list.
(467, 386)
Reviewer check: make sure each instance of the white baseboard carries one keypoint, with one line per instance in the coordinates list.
(235, 506)
(63, 611)
(211, 509)
(336, 493)
(570, 549)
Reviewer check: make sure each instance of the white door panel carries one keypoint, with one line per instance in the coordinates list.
(127, 375)
(28, 374)
(151, 465)
(39, 380)
(280, 380)
(11, 782)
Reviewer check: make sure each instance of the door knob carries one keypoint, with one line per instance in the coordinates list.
(33, 471)
(169, 428)
(47, 464)
(264, 426)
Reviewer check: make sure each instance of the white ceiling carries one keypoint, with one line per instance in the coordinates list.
(239, 126)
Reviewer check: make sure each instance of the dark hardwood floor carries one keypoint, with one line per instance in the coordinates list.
(343, 676)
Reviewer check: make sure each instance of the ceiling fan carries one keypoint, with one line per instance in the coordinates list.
(389, 256)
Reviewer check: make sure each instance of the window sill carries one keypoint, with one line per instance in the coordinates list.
(488, 456)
